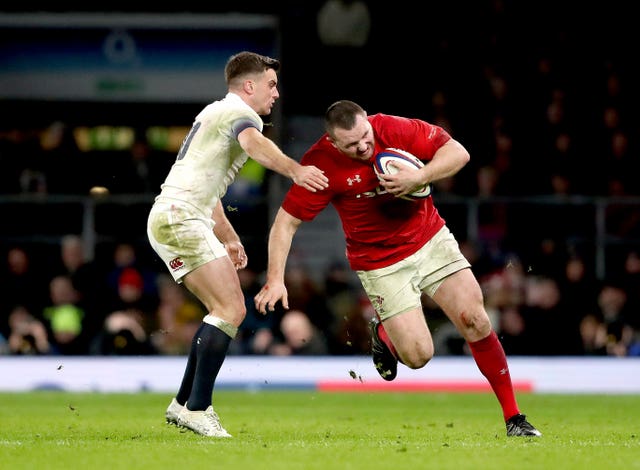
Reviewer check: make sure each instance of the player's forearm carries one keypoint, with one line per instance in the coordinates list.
(271, 157)
(280, 240)
(278, 252)
(223, 229)
(267, 153)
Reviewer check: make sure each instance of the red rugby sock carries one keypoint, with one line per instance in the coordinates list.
(492, 362)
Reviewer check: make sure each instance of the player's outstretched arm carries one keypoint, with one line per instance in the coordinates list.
(267, 153)
(280, 237)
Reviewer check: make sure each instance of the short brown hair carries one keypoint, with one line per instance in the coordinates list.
(342, 114)
(245, 63)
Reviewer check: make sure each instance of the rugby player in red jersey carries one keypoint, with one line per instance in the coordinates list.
(399, 248)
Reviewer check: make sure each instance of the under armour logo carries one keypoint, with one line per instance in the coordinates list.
(176, 263)
(355, 179)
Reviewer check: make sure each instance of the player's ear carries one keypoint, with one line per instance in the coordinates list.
(332, 142)
(248, 86)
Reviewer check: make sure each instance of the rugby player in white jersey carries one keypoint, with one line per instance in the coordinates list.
(188, 229)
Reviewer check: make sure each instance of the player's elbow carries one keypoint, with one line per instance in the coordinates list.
(461, 153)
(463, 156)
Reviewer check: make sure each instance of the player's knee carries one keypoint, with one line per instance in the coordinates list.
(241, 313)
(475, 325)
(418, 357)
(234, 314)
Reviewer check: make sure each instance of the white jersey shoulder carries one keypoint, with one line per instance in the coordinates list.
(211, 157)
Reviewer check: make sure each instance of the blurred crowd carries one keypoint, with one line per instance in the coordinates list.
(544, 103)
(76, 306)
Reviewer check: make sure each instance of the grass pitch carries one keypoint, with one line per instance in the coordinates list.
(313, 430)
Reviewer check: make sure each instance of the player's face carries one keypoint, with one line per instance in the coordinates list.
(357, 143)
(265, 92)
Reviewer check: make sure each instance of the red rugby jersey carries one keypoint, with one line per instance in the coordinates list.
(380, 229)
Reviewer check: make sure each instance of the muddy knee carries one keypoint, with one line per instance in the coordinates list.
(474, 327)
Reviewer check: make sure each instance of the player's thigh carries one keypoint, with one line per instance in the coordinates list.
(460, 298)
(217, 286)
(409, 333)
(411, 337)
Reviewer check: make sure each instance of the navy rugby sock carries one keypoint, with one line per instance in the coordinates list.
(211, 345)
(190, 370)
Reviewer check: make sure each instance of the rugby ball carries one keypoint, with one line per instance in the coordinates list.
(385, 161)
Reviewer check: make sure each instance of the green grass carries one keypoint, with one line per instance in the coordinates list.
(311, 430)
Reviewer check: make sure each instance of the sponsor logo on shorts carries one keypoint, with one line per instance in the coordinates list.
(176, 263)
(377, 304)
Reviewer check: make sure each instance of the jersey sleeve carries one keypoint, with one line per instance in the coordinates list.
(418, 137)
(302, 203)
(243, 123)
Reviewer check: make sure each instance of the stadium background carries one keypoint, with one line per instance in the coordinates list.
(490, 71)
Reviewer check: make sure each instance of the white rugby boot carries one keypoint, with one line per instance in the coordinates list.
(173, 411)
(204, 422)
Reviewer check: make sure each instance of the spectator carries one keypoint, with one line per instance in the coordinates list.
(620, 162)
(258, 332)
(344, 23)
(125, 256)
(579, 288)
(352, 335)
(492, 217)
(22, 284)
(504, 291)
(27, 334)
(88, 280)
(546, 317)
(65, 318)
(614, 314)
(178, 316)
(513, 332)
(594, 336)
(301, 337)
(349, 333)
(123, 334)
(306, 294)
(126, 330)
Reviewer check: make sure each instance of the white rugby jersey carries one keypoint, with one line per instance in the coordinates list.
(210, 156)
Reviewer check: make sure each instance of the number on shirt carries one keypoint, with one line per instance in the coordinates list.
(187, 141)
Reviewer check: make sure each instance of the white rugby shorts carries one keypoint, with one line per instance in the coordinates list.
(182, 237)
(398, 288)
